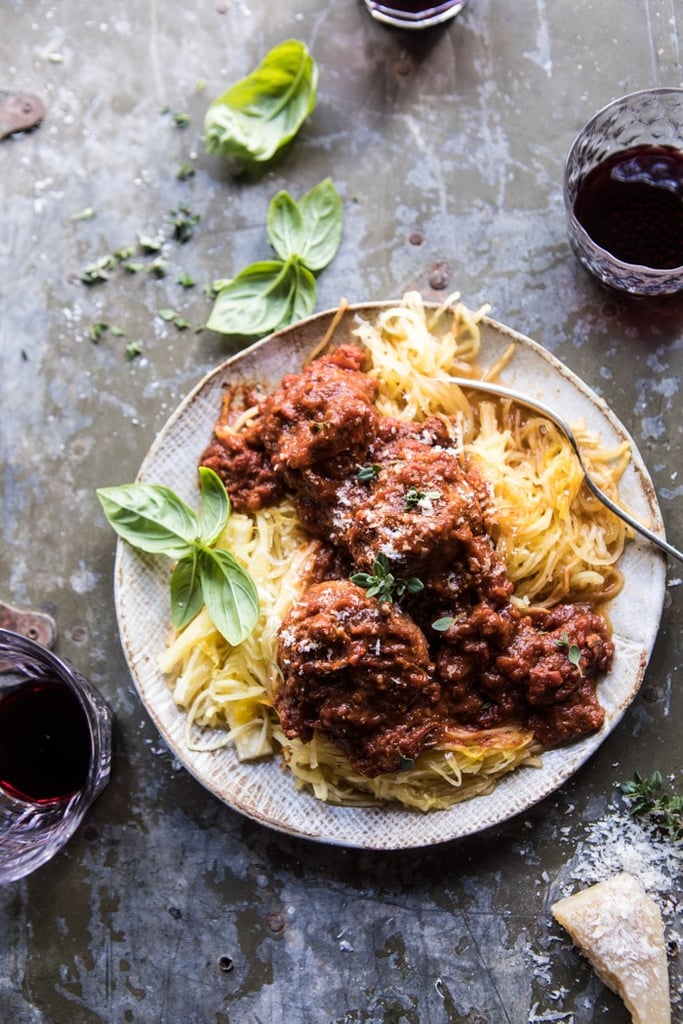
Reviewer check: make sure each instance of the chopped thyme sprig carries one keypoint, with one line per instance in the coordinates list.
(382, 584)
(414, 496)
(647, 799)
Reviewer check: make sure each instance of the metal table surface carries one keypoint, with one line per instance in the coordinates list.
(447, 148)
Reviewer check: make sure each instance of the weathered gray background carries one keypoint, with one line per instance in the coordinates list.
(447, 149)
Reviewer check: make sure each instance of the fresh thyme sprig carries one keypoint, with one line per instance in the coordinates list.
(647, 799)
(382, 584)
(414, 496)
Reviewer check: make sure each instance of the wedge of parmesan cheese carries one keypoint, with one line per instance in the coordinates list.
(620, 929)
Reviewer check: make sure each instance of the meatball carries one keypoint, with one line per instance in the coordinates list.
(357, 672)
(323, 413)
(422, 511)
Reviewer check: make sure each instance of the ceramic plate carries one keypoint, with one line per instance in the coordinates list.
(263, 791)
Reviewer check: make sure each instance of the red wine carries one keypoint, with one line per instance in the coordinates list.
(45, 746)
(632, 205)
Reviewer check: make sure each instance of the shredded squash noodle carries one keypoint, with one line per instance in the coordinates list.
(558, 542)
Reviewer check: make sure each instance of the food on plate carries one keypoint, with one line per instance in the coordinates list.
(432, 574)
(620, 929)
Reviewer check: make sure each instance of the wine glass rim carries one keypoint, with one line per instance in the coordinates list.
(654, 273)
(617, 102)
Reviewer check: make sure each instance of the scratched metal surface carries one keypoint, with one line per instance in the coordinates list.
(447, 149)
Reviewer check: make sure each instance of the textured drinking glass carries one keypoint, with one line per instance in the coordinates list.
(412, 13)
(652, 117)
(55, 753)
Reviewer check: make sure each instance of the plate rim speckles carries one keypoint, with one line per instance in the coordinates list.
(263, 791)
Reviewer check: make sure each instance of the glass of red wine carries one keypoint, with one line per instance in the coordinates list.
(414, 13)
(623, 193)
(55, 753)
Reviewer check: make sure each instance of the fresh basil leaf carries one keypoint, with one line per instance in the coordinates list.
(230, 594)
(322, 214)
(310, 229)
(259, 114)
(214, 510)
(286, 229)
(186, 591)
(262, 298)
(150, 517)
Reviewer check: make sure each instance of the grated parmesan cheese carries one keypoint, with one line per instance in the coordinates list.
(617, 842)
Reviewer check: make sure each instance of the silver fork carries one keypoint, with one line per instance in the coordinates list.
(530, 403)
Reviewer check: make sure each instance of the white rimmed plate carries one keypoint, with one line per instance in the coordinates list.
(263, 791)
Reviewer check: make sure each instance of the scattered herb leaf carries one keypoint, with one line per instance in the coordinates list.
(185, 280)
(171, 317)
(158, 268)
(100, 327)
(184, 220)
(87, 214)
(367, 473)
(95, 273)
(97, 330)
(149, 245)
(124, 254)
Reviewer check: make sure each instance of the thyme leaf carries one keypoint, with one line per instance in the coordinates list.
(443, 624)
(573, 651)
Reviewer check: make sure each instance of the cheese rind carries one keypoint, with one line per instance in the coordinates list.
(620, 930)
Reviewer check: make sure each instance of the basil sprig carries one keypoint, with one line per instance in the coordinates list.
(264, 111)
(154, 519)
(271, 294)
